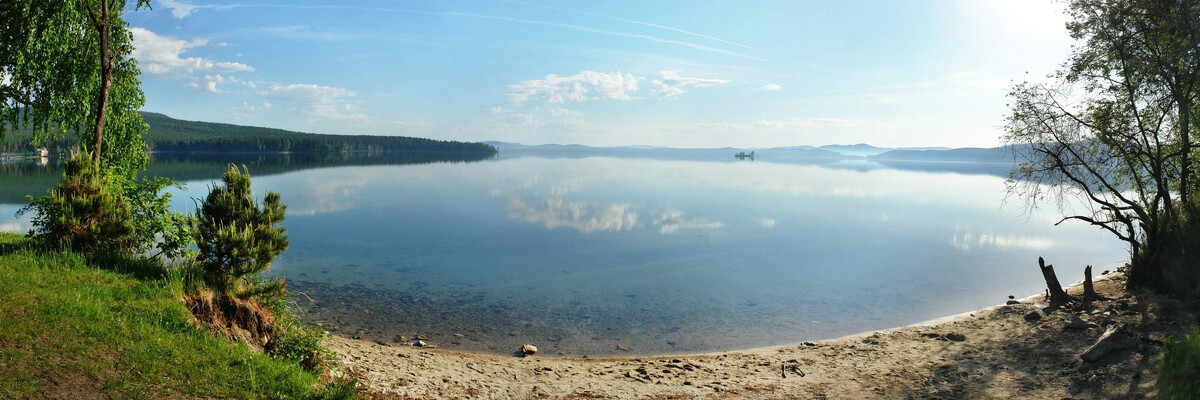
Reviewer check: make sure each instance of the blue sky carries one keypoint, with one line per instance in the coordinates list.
(681, 74)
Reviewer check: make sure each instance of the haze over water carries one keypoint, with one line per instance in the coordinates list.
(608, 256)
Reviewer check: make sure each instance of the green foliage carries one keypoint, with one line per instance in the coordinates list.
(50, 54)
(344, 388)
(298, 342)
(155, 224)
(1179, 372)
(1117, 134)
(111, 335)
(83, 212)
(236, 239)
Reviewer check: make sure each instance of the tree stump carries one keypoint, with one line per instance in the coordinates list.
(1057, 295)
(1089, 291)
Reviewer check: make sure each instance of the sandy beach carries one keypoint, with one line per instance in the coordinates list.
(1023, 350)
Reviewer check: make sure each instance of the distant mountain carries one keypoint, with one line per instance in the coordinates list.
(791, 148)
(859, 150)
(578, 150)
(866, 150)
(968, 154)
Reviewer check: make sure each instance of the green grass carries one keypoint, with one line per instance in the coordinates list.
(71, 329)
(1179, 373)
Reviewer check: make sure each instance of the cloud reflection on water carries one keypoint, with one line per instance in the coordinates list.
(967, 241)
(670, 221)
(584, 217)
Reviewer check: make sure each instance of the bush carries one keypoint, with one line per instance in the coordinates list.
(155, 225)
(1179, 373)
(82, 212)
(300, 343)
(236, 239)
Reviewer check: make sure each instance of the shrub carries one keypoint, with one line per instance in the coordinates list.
(1179, 373)
(82, 212)
(236, 239)
(155, 225)
(300, 343)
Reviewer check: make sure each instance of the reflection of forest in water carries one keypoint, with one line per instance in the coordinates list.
(23, 177)
(34, 177)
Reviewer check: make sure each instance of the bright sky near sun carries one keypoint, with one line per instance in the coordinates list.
(679, 74)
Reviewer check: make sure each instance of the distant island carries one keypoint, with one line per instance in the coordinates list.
(170, 135)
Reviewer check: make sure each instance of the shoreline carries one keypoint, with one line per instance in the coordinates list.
(1075, 286)
(1022, 350)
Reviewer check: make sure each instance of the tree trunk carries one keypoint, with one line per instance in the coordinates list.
(1185, 164)
(1057, 295)
(103, 28)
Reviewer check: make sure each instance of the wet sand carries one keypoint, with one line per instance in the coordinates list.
(998, 352)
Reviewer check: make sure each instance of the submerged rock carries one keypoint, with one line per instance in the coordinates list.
(528, 350)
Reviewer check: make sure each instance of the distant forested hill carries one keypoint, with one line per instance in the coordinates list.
(966, 154)
(173, 135)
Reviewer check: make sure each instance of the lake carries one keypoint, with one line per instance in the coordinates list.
(605, 255)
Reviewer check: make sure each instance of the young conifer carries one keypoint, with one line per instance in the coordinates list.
(237, 239)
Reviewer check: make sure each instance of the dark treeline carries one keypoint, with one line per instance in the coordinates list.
(172, 135)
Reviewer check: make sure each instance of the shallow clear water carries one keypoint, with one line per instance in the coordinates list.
(605, 256)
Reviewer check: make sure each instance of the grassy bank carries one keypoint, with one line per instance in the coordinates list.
(70, 328)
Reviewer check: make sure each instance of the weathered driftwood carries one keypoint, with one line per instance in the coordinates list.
(1089, 291)
(1113, 339)
(1057, 295)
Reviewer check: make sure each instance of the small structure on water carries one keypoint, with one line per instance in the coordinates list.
(743, 155)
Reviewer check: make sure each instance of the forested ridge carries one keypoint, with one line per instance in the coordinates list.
(173, 135)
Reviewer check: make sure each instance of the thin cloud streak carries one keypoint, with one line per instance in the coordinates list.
(631, 21)
(598, 31)
(506, 19)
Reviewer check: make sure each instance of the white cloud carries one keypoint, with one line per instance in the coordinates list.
(671, 84)
(584, 86)
(162, 55)
(770, 86)
(317, 102)
(795, 124)
(250, 107)
(495, 110)
(305, 33)
(767, 222)
(525, 120)
(178, 8)
(212, 80)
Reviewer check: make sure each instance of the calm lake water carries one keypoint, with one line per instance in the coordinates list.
(613, 256)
